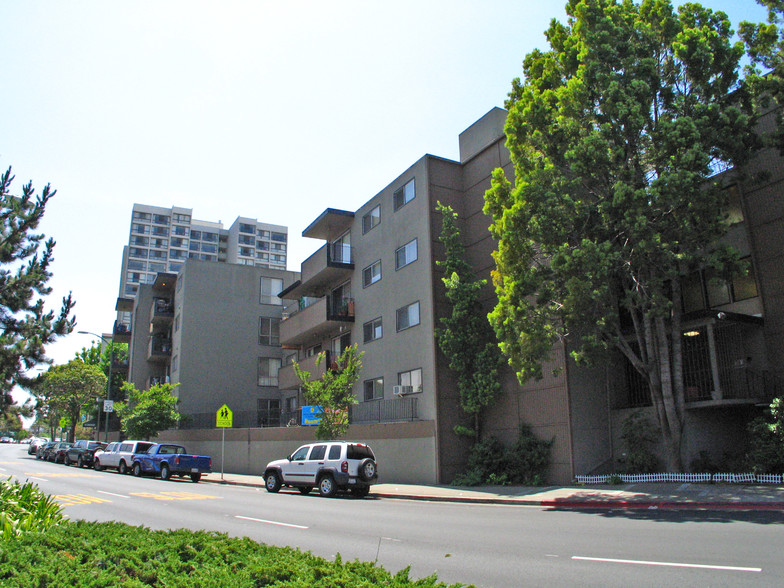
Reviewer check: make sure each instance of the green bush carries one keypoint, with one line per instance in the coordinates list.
(89, 554)
(24, 508)
(525, 462)
(766, 441)
(639, 436)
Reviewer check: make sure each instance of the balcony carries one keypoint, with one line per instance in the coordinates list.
(159, 350)
(162, 312)
(316, 321)
(287, 377)
(121, 333)
(383, 411)
(330, 265)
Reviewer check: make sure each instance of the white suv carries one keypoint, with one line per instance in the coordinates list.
(119, 455)
(328, 465)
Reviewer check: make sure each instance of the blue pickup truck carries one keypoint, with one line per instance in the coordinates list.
(167, 460)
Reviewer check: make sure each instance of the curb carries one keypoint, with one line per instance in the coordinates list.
(566, 504)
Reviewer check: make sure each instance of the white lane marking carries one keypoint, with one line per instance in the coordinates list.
(392, 539)
(112, 494)
(36, 478)
(272, 522)
(667, 563)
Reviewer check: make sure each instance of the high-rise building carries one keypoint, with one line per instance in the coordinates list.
(161, 239)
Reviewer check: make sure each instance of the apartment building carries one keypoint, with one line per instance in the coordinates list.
(213, 330)
(161, 239)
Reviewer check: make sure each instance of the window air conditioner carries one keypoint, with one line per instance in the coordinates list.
(402, 390)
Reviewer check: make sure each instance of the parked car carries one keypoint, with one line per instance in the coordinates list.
(82, 452)
(119, 455)
(57, 454)
(331, 466)
(45, 449)
(167, 460)
(6, 439)
(35, 443)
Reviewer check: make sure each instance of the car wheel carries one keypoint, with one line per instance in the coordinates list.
(67, 460)
(305, 489)
(97, 465)
(326, 486)
(195, 477)
(137, 469)
(360, 492)
(165, 472)
(367, 469)
(272, 482)
(80, 462)
(122, 468)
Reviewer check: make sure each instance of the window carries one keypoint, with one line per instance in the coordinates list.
(278, 258)
(245, 251)
(279, 237)
(339, 344)
(211, 237)
(246, 240)
(180, 231)
(404, 195)
(371, 274)
(177, 254)
(701, 290)
(182, 218)
(141, 215)
(263, 245)
(140, 241)
(268, 371)
(160, 231)
(175, 267)
(411, 378)
(374, 389)
(137, 265)
(160, 243)
(158, 255)
(196, 235)
(157, 267)
(270, 288)
(179, 242)
(136, 252)
(268, 413)
(372, 330)
(408, 316)
(371, 219)
(160, 219)
(263, 234)
(209, 248)
(245, 228)
(275, 246)
(269, 331)
(140, 229)
(334, 452)
(311, 351)
(406, 254)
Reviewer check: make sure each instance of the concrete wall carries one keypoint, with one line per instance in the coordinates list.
(405, 452)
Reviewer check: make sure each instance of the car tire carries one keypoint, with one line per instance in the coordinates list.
(137, 469)
(122, 468)
(305, 489)
(272, 482)
(165, 472)
(195, 478)
(326, 486)
(97, 465)
(66, 460)
(80, 462)
(367, 470)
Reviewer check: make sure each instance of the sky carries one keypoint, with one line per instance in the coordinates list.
(268, 110)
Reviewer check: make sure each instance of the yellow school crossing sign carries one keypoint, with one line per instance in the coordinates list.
(224, 417)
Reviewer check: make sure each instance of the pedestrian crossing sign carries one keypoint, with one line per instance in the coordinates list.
(224, 417)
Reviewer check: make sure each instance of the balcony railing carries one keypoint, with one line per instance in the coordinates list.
(384, 411)
(340, 309)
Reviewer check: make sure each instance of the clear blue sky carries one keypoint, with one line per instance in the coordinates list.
(270, 110)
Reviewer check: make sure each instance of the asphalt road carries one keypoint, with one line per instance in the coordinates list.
(488, 545)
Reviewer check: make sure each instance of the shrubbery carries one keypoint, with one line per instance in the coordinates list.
(525, 462)
(640, 436)
(24, 508)
(766, 441)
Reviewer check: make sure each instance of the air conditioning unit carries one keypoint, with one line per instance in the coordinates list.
(402, 390)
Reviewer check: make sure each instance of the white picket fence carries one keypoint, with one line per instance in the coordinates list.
(670, 477)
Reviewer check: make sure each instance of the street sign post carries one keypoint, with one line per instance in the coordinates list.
(224, 418)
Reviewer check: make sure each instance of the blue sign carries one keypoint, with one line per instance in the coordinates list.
(311, 415)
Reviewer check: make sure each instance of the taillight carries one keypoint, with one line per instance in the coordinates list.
(344, 467)
(177, 460)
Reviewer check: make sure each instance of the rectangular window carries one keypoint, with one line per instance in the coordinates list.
(263, 245)
(245, 252)
(408, 316)
(179, 242)
(196, 235)
(180, 231)
(160, 219)
(143, 241)
(160, 231)
(246, 240)
(159, 243)
(372, 330)
(245, 228)
(406, 254)
(411, 378)
(211, 237)
(209, 248)
(137, 265)
(371, 274)
(269, 331)
(268, 371)
(374, 389)
(136, 252)
(281, 237)
(270, 288)
(744, 287)
(140, 229)
(157, 267)
(371, 219)
(182, 218)
(404, 195)
(141, 215)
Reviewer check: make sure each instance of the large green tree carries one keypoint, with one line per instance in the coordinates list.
(332, 392)
(147, 412)
(25, 325)
(615, 134)
(70, 389)
(465, 337)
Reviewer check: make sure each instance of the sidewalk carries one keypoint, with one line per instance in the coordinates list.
(624, 496)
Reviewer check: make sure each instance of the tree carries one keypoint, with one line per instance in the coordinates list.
(69, 389)
(465, 336)
(26, 327)
(332, 393)
(614, 136)
(103, 357)
(149, 411)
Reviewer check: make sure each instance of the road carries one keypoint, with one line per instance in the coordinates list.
(488, 545)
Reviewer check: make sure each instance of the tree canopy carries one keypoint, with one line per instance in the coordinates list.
(465, 336)
(615, 134)
(26, 326)
(147, 412)
(333, 392)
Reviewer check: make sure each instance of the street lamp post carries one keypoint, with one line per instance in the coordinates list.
(108, 388)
